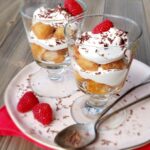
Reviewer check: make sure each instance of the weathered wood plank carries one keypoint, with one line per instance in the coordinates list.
(14, 55)
(20, 144)
(134, 10)
(146, 7)
(4, 143)
(7, 18)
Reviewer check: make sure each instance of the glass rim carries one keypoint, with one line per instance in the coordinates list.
(110, 15)
(82, 2)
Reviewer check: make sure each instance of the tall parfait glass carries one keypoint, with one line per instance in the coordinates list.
(101, 55)
(44, 22)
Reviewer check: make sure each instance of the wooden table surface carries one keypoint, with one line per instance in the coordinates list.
(15, 52)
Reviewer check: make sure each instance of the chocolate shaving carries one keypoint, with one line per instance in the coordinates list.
(120, 132)
(125, 40)
(65, 107)
(64, 117)
(101, 42)
(131, 111)
(40, 132)
(120, 33)
(48, 12)
(84, 38)
(32, 131)
(143, 108)
(48, 130)
(54, 131)
(117, 94)
(110, 40)
(57, 108)
(138, 133)
(98, 73)
(58, 43)
(105, 45)
(122, 42)
(78, 90)
(105, 142)
(125, 100)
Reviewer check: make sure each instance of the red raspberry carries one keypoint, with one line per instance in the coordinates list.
(73, 7)
(27, 102)
(43, 113)
(103, 27)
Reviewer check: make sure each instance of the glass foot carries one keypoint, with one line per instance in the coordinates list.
(42, 85)
(82, 113)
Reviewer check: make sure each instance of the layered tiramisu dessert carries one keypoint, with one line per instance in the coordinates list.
(46, 37)
(101, 59)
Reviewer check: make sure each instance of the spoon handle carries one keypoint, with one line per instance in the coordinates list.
(118, 100)
(122, 108)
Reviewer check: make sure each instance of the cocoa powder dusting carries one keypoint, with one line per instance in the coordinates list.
(74, 138)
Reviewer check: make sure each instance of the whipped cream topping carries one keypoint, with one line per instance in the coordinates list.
(52, 16)
(55, 17)
(112, 77)
(51, 44)
(104, 47)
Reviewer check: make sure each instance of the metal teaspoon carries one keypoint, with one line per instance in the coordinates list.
(78, 136)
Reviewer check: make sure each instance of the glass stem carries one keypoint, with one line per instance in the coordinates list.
(55, 74)
(97, 100)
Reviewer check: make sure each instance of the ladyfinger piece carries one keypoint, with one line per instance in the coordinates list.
(43, 31)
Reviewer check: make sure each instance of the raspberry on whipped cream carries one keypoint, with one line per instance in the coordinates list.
(104, 47)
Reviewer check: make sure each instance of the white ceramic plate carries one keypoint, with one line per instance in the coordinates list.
(135, 130)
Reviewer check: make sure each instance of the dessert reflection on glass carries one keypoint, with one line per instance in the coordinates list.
(101, 54)
(44, 22)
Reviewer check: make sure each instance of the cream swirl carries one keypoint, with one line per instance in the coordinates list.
(112, 77)
(51, 44)
(52, 16)
(103, 48)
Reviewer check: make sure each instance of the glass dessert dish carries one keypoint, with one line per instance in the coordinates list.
(44, 22)
(101, 51)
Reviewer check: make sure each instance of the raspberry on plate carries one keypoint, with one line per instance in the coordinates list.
(103, 27)
(73, 7)
(43, 113)
(27, 102)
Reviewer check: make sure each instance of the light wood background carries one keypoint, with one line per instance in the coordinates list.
(15, 52)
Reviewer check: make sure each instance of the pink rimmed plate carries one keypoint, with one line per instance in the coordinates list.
(134, 131)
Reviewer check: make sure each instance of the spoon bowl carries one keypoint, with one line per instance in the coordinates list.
(76, 136)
